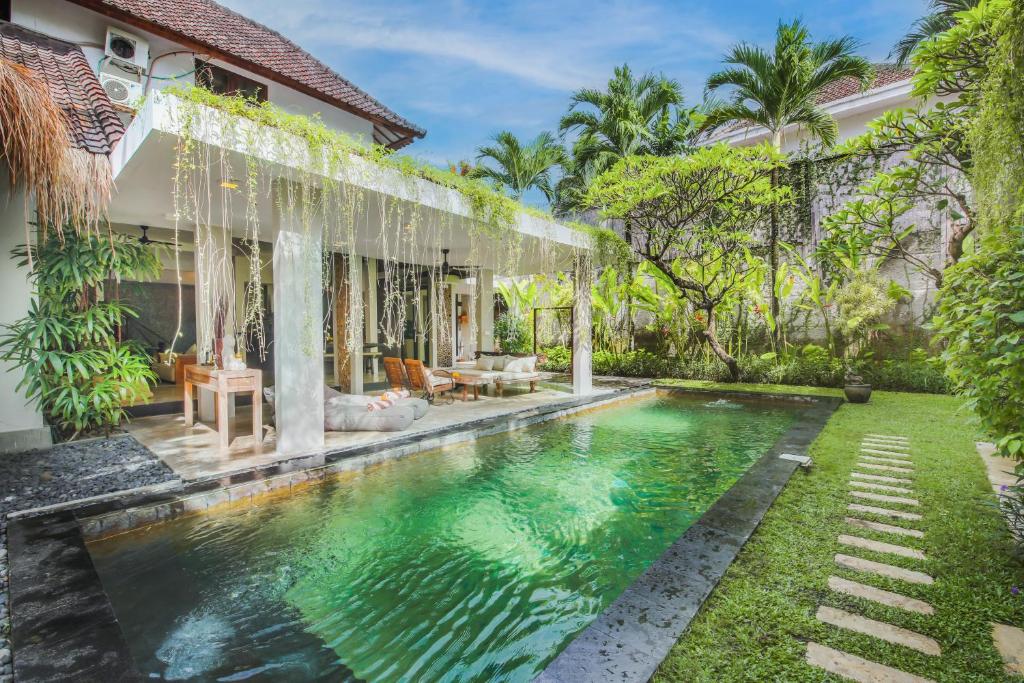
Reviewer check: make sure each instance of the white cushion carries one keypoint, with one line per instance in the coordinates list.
(499, 362)
(520, 364)
(485, 363)
(518, 376)
(436, 380)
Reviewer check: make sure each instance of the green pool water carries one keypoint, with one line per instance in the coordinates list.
(476, 562)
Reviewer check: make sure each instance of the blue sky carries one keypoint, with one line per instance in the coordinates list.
(465, 70)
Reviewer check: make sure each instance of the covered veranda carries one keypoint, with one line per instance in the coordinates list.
(351, 261)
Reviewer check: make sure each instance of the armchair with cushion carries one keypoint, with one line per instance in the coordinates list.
(432, 382)
(170, 367)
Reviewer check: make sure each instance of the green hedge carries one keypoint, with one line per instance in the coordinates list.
(917, 374)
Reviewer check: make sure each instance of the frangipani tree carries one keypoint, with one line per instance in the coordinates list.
(695, 219)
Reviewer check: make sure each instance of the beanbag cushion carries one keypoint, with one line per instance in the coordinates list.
(339, 417)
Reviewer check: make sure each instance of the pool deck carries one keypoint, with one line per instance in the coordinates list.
(193, 453)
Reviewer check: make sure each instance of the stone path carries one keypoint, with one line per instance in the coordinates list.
(879, 453)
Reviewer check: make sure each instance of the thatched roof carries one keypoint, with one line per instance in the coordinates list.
(57, 127)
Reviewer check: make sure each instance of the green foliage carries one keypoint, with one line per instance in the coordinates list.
(520, 296)
(780, 88)
(519, 168)
(861, 303)
(512, 333)
(693, 220)
(981, 321)
(67, 346)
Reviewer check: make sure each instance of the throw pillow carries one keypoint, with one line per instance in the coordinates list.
(485, 363)
(499, 362)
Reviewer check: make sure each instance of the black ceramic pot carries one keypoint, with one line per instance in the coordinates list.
(857, 393)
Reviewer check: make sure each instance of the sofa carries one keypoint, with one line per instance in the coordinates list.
(351, 413)
(170, 367)
(502, 370)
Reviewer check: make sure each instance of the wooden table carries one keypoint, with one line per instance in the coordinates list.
(222, 383)
(468, 381)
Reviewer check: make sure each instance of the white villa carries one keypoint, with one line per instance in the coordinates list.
(412, 269)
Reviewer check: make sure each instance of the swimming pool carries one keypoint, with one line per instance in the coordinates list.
(477, 562)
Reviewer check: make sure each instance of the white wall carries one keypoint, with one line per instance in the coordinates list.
(76, 24)
(21, 425)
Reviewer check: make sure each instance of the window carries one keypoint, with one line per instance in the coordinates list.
(5, 10)
(224, 82)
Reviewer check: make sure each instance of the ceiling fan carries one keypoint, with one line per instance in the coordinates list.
(144, 238)
(460, 272)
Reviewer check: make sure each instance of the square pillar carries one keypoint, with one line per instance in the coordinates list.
(582, 332)
(371, 314)
(298, 326)
(485, 309)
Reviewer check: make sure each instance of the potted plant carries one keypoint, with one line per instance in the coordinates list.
(855, 388)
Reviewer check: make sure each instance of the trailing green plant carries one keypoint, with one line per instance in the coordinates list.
(981, 323)
(75, 367)
(861, 304)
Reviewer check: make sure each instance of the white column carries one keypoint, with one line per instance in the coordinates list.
(21, 423)
(298, 327)
(485, 309)
(582, 344)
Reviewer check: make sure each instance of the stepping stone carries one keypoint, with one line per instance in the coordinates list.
(1009, 642)
(887, 437)
(898, 514)
(884, 468)
(879, 629)
(885, 446)
(882, 498)
(886, 528)
(887, 598)
(891, 461)
(888, 454)
(880, 547)
(857, 668)
(879, 487)
(880, 477)
(887, 570)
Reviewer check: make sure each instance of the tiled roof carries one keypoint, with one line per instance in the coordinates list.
(885, 74)
(240, 40)
(94, 124)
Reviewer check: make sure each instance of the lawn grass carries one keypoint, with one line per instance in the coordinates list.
(755, 625)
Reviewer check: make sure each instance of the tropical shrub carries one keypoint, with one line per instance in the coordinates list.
(512, 333)
(981, 321)
(74, 366)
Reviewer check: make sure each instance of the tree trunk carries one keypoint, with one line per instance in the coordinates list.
(773, 249)
(717, 348)
(955, 248)
(630, 327)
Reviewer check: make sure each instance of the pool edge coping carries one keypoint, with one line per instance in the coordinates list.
(631, 637)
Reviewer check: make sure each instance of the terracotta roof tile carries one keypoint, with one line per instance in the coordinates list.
(209, 24)
(94, 124)
(885, 74)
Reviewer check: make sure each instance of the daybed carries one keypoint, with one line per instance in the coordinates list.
(502, 370)
(351, 412)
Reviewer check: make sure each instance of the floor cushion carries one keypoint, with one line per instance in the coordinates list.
(341, 417)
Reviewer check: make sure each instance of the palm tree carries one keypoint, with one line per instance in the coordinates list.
(520, 167)
(940, 18)
(633, 116)
(780, 88)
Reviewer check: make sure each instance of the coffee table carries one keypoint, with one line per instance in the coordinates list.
(468, 381)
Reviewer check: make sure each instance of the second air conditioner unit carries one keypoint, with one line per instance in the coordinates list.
(127, 49)
(120, 90)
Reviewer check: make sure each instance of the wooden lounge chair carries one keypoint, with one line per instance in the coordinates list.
(433, 383)
(395, 373)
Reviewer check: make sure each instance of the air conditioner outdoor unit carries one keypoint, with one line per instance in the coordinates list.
(121, 90)
(127, 49)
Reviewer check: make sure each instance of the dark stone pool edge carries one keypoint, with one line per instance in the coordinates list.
(631, 637)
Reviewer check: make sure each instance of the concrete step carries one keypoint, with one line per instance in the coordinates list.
(858, 564)
(879, 487)
(882, 597)
(884, 445)
(885, 512)
(879, 629)
(884, 468)
(882, 498)
(903, 457)
(880, 477)
(891, 461)
(857, 668)
(888, 437)
(885, 528)
(880, 547)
